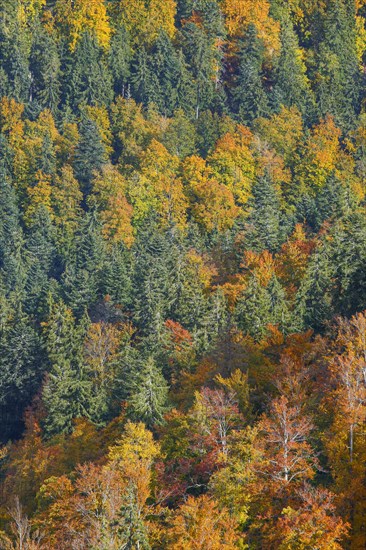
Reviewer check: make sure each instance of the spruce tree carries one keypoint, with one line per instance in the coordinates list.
(132, 530)
(339, 78)
(250, 98)
(82, 279)
(253, 310)
(21, 368)
(148, 393)
(42, 258)
(67, 393)
(292, 86)
(90, 154)
(280, 314)
(45, 67)
(200, 56)
(265, 218)
(120, 58)
(91, 80)
(314, 300)
(12, 251)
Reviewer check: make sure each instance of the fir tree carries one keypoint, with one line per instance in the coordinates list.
(90, 154)
(67, 393)
(45, 67)
(82, 279)
(148, 394)
(253, 310)
(120, 61)
(265, 217)
(338, 83)
(249, 94)
(91, 82)
(132, 529)
(292, 86)
(315, 297)
(20, 370)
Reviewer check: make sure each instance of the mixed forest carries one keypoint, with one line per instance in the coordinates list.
(182, 274)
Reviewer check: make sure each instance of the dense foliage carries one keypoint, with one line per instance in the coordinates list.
(183, 274)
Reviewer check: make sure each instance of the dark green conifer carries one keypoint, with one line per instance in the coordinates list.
(249, 95)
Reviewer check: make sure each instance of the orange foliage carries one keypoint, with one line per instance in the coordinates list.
(212, 204)
(240, 13)
(199, 524)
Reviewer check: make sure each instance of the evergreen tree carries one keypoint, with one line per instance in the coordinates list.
(132, 529)
(15, 58)
(40, 244)
(249, 95)
(12, 254)
(200, 55)
(334, 201)
(279, 309)
(116, 281)
(292, 86)
(338, 83)
(347, 253)
(82, 279)
(314, 300)
(253, 310)
(120, 58)
(91, 80)
(45, 67)
(265, 218)
(164, 66)
(20, 369)
(90, 154)
(148, 394)
(67, 393)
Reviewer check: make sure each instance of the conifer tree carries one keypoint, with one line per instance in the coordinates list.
(315, 296)
(292, 86)
(148, 393)
(12, 255)
(67, 393)
(20, 370)
(132, 530)
(45, 67)
(265, 217)
(40, 244)
(249, 95)
(120, 61)
(253, 310)
(338, 84)
(91, 82)
(90, 154)
(82, 276)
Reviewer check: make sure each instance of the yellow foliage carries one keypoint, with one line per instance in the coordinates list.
(157, 187)
(212, 203)
(29, 9)
(360, 38)
(239, 14)
(39, 195)
(200, 524)
(136, 444)
(11, 122)
(109, 195)
(134, 455)
(144, 20)
(78, 16)
(66, 198)
(321, 154)
(99, 114)
(283, 131)
(233, 164)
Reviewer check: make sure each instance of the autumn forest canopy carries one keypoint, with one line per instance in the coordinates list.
(182, 274)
